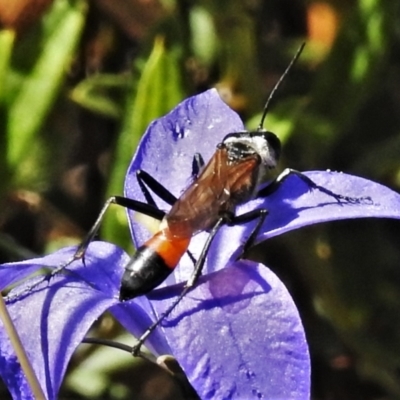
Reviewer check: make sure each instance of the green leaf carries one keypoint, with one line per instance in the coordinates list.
(96, 94)
(6, 45)
(41, 85)
(7, 38)
(204, 36)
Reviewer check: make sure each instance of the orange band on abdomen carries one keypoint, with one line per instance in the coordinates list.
(170, 249)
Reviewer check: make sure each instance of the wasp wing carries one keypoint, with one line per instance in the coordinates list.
(220, 186)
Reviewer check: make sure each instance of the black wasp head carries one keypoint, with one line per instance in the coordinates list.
(261, 142)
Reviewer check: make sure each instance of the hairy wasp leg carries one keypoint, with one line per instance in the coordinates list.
(146, 182)
(225, 219)
(277, 182)
(80, 252)
(197, 164)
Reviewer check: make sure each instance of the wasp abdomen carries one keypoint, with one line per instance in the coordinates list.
(151, 264)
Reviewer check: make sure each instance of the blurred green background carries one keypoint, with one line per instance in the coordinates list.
(81, 80)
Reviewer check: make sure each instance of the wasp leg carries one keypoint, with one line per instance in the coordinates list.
(125, 202)
(80, 252)
(197, 164)
(188, 286)
(259, 214)
(146, 182)
(277, 182)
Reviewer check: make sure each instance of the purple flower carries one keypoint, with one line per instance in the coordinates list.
(237, 334)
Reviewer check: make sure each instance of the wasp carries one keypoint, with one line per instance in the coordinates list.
(231, 177)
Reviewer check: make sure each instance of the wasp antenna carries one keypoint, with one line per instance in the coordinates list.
(283, 76)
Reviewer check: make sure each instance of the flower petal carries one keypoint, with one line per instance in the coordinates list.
(52, 319)
(294, 206)
(238, 335)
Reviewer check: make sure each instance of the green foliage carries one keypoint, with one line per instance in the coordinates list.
(33, 90)
(95, 94)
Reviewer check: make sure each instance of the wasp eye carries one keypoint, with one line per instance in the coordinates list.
(272, 141)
